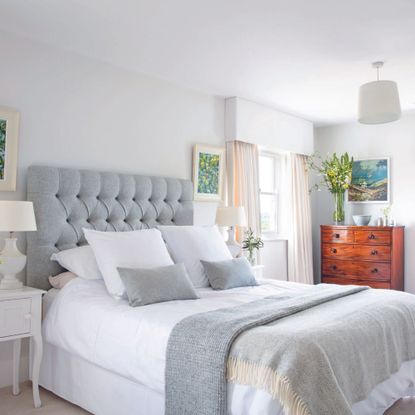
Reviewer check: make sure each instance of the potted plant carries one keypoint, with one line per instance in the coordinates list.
(336, 174)
(251, 244)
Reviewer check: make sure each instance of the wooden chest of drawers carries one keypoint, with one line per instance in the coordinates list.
(363, 255)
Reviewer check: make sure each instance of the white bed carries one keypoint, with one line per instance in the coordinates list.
(116, 353)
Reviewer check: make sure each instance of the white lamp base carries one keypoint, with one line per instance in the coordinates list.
(10, 284)
(234, 247)
(12, 261)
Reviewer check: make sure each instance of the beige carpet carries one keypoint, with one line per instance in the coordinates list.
(51, 404)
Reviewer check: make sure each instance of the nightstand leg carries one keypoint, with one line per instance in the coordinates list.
(16, 365)
(37, 358)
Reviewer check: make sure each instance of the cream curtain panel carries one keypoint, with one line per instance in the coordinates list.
(298, 209)
(243, 181)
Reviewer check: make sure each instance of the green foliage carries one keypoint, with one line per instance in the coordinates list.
(208, 179)
(335, 171)
(2, 147)
(386, 211)
(250, 243)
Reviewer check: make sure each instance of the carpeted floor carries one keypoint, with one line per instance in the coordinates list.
(52, 404)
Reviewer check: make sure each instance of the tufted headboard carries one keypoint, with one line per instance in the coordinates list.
(67, 200)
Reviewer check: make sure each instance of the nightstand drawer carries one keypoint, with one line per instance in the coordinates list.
(15, 317)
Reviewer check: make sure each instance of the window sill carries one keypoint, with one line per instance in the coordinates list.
(270, 238)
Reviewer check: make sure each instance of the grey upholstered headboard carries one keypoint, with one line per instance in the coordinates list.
(67, 200)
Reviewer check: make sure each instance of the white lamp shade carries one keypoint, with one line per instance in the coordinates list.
(17, 216)
(231, 216)
(379, 102)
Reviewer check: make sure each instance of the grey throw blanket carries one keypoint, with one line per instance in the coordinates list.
(317, 356)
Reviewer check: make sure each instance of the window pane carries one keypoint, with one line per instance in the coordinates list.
(268, 213)
(266, 174)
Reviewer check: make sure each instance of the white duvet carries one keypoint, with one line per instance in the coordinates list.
(84, 320)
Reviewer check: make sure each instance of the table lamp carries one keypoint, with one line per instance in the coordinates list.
(231, 216)
(15, 216)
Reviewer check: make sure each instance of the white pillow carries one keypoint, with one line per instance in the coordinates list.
(190, 244)
(81, 261)
(135, 249)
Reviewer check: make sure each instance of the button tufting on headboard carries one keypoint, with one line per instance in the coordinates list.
(66, 200)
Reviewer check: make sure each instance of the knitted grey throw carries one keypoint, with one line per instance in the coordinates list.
(316, 355)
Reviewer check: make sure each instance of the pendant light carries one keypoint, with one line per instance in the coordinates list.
(379, 101)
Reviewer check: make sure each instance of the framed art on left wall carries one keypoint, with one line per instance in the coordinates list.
(9, 136)
(208, 172)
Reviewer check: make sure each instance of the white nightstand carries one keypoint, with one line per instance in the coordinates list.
(258, 271)
(20, 317)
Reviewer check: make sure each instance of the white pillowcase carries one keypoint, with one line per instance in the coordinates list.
(135, 249)
(190, 244)
(81, 261)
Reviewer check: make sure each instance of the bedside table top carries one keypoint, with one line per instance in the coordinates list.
(23, 292)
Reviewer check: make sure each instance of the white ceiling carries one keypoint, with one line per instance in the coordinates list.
(306, 57)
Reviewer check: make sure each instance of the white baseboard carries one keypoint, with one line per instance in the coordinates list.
(6, 363)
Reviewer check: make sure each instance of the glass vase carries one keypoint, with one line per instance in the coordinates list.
(252, 258)
(338, 214)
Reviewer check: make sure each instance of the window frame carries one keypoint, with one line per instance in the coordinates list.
(271, 234)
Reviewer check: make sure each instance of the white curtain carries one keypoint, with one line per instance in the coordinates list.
(299, 231)
(243, 181)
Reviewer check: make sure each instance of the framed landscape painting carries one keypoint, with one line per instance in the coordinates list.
(208, 172)
(9, 134)
(370, 181)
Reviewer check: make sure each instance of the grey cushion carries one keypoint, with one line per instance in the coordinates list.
(156, 285)
(232, 273)
(67, 200)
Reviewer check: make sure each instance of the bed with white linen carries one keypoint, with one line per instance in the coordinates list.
(99, 352)
(109, 358)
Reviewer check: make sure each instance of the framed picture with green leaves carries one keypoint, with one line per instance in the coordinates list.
(208, 172)
(9, 135)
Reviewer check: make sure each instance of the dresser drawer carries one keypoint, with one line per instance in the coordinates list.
(15, 317)
(338, 250)
(360, 270)
(373, 237)
(363, 252)
(347, 281)
(337, 235)
(372, 252)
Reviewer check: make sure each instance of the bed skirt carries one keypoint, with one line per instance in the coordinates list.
(103, 392)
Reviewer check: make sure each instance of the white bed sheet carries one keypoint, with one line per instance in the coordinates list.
(86, 322)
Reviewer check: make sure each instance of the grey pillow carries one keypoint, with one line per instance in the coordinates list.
(156, 285)
(232, 273)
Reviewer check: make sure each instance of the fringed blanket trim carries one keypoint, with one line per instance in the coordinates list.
(263, 377)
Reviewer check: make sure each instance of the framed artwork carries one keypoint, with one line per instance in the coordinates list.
(208, 172)
(370, 181)
(9, 135)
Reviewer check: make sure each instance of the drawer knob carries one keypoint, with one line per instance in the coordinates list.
(334, 250)
(337, 235)
(334, 267)
(28, 316)
(372, 236)
(374, 271)
(374, 252)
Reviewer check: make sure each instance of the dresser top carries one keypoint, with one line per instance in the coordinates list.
(364, 228)
(23, 292)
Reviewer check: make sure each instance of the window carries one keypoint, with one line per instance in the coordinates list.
(268, 184)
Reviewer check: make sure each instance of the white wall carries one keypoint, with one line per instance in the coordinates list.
(395, 140)
(254, 123)
(77, 112)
